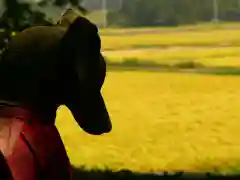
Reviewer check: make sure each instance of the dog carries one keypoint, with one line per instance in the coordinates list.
(42, 68)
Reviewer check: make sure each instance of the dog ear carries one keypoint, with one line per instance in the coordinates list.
(81, 46)
(78, 35)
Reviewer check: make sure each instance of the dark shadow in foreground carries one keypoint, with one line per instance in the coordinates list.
(83, 174)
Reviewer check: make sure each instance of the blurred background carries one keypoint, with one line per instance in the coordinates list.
(172, 82)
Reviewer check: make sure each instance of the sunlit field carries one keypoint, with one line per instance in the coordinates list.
(209, 45)
(175, 38)
(208, 56)
(162, 122)
(165, 121)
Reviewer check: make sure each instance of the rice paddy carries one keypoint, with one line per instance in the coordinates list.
(165, 121)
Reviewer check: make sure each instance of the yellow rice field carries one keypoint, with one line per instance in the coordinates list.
(162, 121)
(211, 56)
(177, 38)
(209, 45)
(165, 121)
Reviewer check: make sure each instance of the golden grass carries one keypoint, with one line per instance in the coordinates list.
(211, 45)
(181, 38)
(219, 56)
(162, 121)
(195, 27)
(165, 121)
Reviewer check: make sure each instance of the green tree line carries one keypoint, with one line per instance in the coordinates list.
(133, 12)
(173, 12)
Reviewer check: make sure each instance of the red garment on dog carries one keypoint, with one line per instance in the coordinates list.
(32, 150)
